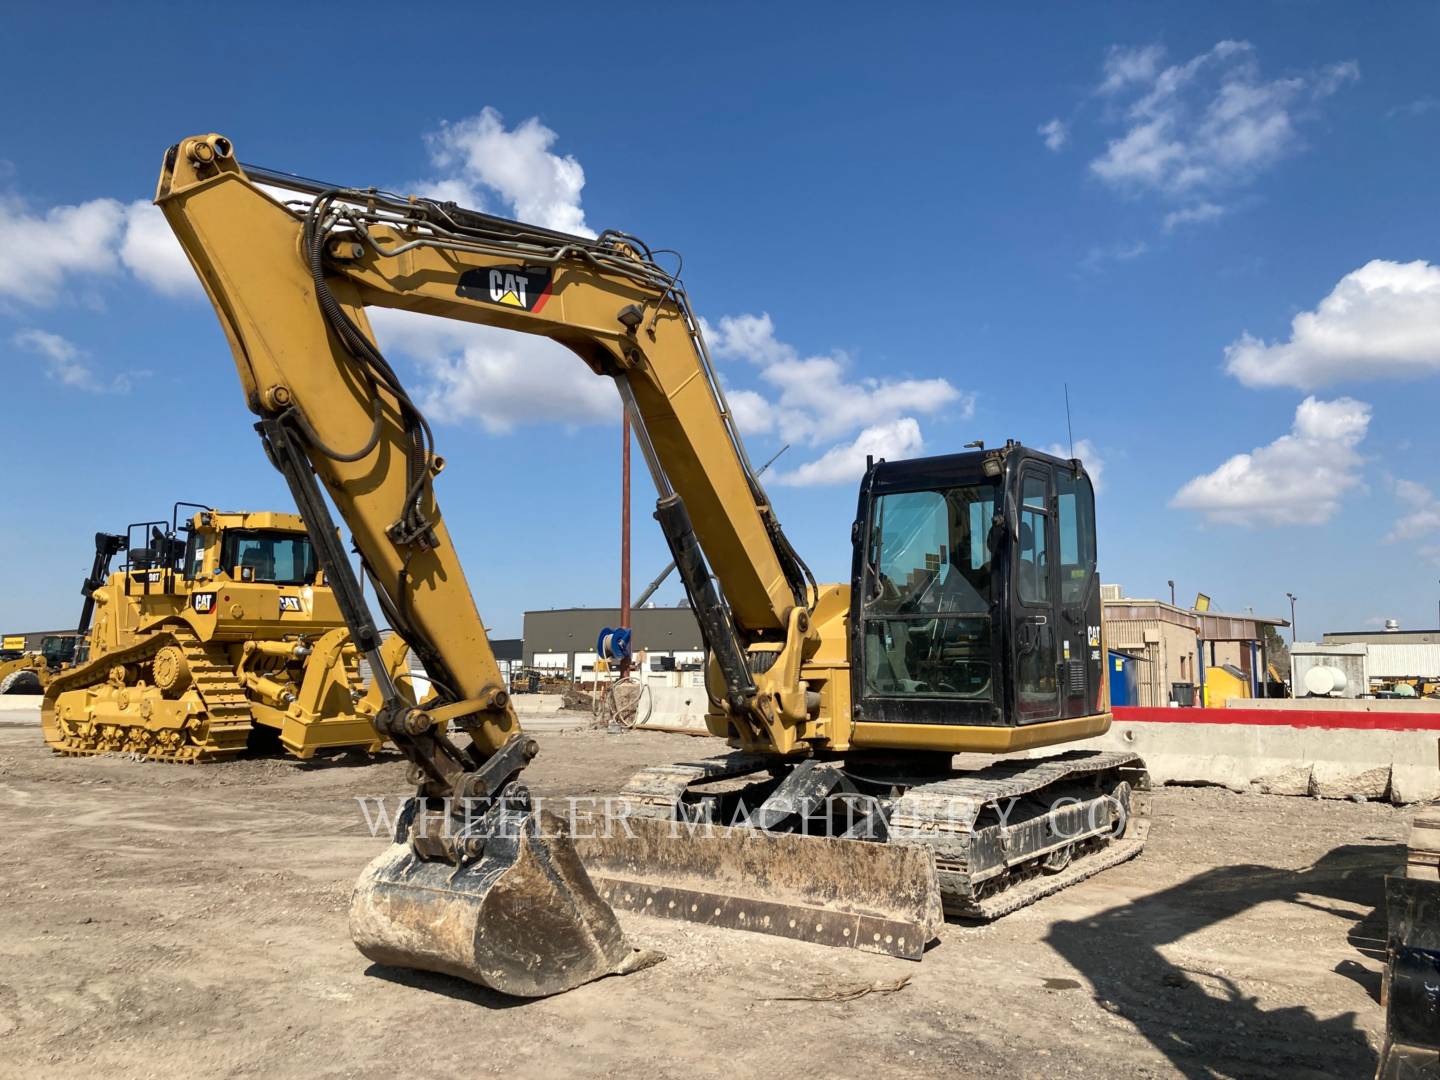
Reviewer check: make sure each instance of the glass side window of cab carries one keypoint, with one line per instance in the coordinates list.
(194, 555)
(928, 588)
(1033, 563)
(1076, 521)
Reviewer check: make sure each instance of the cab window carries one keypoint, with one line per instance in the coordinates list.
(194, 555)
(279, 558)
(1033, 562)
(1076, 523)
(928, 590)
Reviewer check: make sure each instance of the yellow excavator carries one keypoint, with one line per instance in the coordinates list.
(971, 623)
(218, 627)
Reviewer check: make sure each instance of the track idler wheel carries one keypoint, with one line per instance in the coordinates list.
(522, 918)
(171, 671)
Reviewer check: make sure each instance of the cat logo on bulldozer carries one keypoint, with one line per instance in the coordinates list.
(523, 287)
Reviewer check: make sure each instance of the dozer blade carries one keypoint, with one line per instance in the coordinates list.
(523, 919)
(878, 897)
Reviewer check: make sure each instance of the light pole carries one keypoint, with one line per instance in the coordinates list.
(1291, 595)
(1172, 592)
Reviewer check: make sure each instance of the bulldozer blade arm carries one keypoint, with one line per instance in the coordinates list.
(524, 919)
(877, 897)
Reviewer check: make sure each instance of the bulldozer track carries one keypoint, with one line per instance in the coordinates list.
(992, 831)
(217, 725)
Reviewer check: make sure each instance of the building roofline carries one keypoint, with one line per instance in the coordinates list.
(1267, 619)
(1376, 631)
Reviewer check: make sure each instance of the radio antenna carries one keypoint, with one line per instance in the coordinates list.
(1068, 427)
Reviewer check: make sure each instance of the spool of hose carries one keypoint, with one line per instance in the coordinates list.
(613, 643)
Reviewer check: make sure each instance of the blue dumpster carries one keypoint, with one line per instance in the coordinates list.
(1122, 679)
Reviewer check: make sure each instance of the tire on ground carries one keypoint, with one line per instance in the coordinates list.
(21, 682)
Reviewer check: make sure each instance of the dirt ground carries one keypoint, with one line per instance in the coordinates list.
(175, 921)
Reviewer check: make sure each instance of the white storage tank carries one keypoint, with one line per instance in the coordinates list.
(1343, 670)
(1322, 680)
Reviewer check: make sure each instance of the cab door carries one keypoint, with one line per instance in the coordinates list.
(1035, 589)
(1078, 600)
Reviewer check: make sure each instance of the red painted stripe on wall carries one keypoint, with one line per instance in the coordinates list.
(1300, 718)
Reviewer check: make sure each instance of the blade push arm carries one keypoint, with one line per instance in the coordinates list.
(290, 282)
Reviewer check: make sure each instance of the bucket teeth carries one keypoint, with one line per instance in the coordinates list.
(523, 919)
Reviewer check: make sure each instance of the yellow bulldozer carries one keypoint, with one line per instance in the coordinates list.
(217, 632)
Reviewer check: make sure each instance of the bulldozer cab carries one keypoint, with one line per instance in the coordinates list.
(253, 548)
(974, 594)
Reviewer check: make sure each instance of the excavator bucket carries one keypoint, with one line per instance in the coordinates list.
(523, 919)
(881, 898)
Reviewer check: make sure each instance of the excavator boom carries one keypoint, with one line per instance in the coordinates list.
(290, 282)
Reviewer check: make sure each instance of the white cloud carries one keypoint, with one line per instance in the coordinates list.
(1418, 107)
(1381, 321)
(754, 414)
(1098, 256)
(895, 440)
(1126, 66)
(151, 252)
(65, 363)
(501, 378)
(816, 402)
(1193, 215)
(747, 337)
(1424, 511)
(538, 187)
(1296, 480)
(1055, 134)
(1089, 456)
(1208, 124)
(40, 251)
(480, 159)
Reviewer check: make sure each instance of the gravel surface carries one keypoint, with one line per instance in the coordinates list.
(175, 921)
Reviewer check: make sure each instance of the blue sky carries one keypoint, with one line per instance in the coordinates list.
(1215, 222)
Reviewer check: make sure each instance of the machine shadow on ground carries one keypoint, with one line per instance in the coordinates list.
(1202, 1021)
(447, 986)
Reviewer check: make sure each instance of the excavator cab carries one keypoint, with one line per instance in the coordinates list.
(974, 596)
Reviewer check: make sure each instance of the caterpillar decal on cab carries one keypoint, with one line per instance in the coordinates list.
(525, 287)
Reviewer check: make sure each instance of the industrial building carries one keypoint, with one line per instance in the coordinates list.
(1162, 654)
(1351, 664)
(666, 642)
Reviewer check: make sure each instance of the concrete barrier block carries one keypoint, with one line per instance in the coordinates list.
(537, 704)
(1341, 780)
(1277, 759)
(1412, 783)
(1288, 778)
